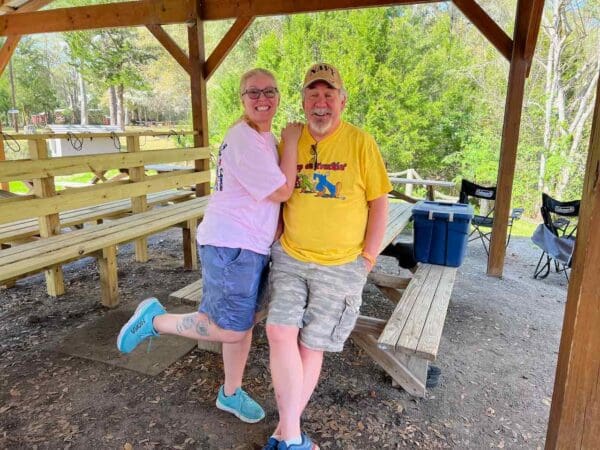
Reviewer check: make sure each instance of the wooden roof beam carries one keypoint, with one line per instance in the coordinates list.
(109, 15)
(171, 46)
(7, 50)
(484, 23)
(227, 43)
(231, 9)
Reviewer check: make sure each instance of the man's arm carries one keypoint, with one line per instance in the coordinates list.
(376, 224)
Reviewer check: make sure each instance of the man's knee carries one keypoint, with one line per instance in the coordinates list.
(282, 333)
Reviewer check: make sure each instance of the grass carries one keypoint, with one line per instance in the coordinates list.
(524, 227)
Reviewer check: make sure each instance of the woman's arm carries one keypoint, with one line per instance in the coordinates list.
(289, 159)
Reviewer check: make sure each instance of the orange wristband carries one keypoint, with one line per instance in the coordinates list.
(369, 258)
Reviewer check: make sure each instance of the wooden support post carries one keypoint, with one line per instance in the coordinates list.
(4, 185)
(49, 224)
(510, 140)
(190, 252)
(138, 204)
(11, 283)
(109, 285)
(199, 102)
(575, 414)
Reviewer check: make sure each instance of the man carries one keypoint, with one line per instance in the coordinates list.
(333, 227)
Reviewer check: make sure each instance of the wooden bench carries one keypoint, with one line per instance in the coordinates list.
(404, 344)
(27, 229)
(127, 201)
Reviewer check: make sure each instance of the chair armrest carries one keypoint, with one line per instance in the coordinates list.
(516, 213)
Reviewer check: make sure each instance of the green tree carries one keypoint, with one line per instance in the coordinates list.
(34, 90)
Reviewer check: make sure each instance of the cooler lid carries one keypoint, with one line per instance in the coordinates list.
(443, 210)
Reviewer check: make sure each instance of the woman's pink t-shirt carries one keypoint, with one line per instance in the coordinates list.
(239, 214)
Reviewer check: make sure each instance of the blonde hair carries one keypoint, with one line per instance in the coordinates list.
(243, 80)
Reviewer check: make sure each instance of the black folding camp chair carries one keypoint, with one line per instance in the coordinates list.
(482, 225)
(556, 236)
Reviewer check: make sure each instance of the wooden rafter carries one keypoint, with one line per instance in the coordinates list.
(227, 43)
(484, 23)
(133, 13)
(171, 46)
(510, 138)
(7, 50)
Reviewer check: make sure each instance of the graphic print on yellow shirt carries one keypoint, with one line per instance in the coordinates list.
(325, 219)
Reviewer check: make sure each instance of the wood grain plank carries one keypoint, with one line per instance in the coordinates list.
(411, 334)
(17, 170)
(73, 199)
(432, 330)
(398, 320)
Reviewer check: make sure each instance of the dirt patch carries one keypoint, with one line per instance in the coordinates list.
(497, 355)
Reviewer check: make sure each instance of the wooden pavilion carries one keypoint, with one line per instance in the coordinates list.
(575, 413)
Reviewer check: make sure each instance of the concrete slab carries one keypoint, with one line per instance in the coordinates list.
(97, 341)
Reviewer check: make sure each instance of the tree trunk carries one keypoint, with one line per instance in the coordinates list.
(120, 107)
(112, 105)
(83, 120)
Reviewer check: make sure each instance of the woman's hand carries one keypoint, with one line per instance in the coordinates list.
(291, 133)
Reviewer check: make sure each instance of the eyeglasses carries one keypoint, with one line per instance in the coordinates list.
(314, 154)
(254, 94)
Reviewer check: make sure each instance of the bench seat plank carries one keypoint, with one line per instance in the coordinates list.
(192, 293)
(415, 326)
(432, 331)
(24, 229)
(34, 256)
(399, 214)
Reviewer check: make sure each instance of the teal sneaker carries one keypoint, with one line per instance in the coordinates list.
(140, 327)
(240, 405)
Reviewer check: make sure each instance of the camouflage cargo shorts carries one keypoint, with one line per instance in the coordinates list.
(323, 301)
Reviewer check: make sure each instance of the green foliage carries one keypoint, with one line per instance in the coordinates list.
(35, 91)
(109, 55)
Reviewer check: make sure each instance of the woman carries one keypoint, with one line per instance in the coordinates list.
(234, 242)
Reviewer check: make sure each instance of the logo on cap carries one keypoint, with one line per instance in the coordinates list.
(323, 72)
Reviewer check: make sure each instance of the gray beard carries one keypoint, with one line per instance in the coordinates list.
(320, 128)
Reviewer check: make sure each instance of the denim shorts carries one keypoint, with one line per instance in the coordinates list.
(232, 279)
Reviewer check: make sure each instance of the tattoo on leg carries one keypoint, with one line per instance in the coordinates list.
(202, 327)
(185, 323)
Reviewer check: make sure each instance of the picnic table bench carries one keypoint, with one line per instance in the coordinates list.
(127, 202)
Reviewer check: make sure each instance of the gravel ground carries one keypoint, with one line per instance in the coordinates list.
(498, 355)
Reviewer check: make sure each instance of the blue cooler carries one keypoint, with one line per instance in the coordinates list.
(441, 232)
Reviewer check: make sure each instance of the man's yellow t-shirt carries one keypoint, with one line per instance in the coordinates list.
(326, 217)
